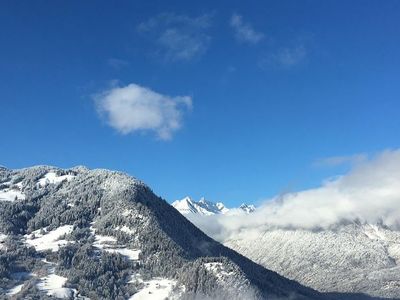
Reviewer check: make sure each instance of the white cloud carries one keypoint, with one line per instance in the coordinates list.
(370, 192)
(134, 108)
(244, 32)
(178, 37)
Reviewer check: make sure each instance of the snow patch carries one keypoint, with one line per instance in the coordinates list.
(125, 229)
(53, 284)
(15, 290)
(373, 232)
(2, 239)
(218, 270)
(109, 244)
(10, 194)
(394, 252)
(50, 240)
(53, 178)
(103, 241)
(131, 254)
(155, 289)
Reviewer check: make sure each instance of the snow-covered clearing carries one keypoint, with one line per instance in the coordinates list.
(15, 290)
(109, 244)
(156, 289)
(131, 254)
(53, 178)
(50, 240)
(218, 269)
(125, 229)
(53, 284)
(11, 195)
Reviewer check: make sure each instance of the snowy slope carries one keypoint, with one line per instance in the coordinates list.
(81, 232)
(203, 207)
(10, 191)
(353, 258)
(49, 240)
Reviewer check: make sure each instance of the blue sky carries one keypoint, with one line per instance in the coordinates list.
(233, 101)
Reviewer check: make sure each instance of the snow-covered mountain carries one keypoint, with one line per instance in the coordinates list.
(104, 235)
(351, 258)
(203, 207)
(348, 258)
(248, 208)
(356, 260)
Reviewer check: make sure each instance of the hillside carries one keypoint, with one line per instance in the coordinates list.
(352, 258)
(105, 235)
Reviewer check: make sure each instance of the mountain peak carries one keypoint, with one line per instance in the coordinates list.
(247, 208)
(70, 225)
(203, 207)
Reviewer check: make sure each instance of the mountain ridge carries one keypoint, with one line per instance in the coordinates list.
(203, 207)
(103, 234)
(347, 257)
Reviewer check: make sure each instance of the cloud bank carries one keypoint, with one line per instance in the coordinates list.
(370, 192)
(244, 32)
(134, 108)
(178, 37)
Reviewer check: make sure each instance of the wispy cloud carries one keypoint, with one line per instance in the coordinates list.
(178, 37)
(335, 161)
(244, 32)
(285, 57)
(370, 192)
(134, 108)
(291, 56)
(117, 63)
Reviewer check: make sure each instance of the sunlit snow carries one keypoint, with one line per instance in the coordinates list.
(2, 239)
(53, 285)
(218, 269)
(50, 240)
(53, 178)
(125, 229)
(15, 290)
(156, 289)
(11, 195)
(109, 244)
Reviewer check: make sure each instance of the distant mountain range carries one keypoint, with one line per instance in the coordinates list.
(352, 257)
(357, 258)
(98, 234)
(203, 207)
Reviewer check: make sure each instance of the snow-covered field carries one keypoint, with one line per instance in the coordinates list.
(156, 289)
(53, 284)
(109, 244)
(11, 195)
(15, 290)
(50, 240)
(53, 178)
(130, 254)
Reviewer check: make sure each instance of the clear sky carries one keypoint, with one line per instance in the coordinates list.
(236, 101)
